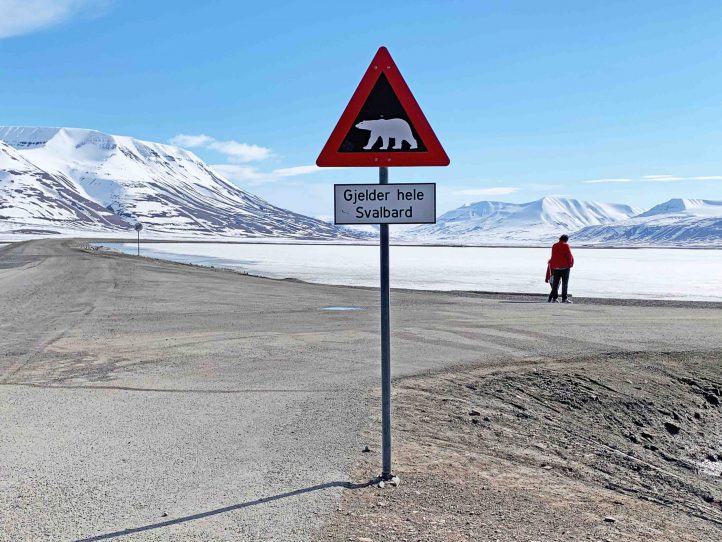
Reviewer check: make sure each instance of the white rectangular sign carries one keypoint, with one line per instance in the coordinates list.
(398, 203)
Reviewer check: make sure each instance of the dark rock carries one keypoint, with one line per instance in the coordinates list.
(610, 519)
(474, 412)
(672, 428)
(164, 515)
(366, 449)
(646, 435)
(669, 458)
(698, 416)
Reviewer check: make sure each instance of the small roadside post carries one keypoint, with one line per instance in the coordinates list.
(138, 228)
(382, 110)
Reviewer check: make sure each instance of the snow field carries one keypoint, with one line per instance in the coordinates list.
(673, 274)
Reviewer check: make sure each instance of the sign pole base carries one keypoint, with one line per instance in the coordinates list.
(386, 473)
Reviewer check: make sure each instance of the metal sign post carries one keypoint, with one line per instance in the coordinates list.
(384, 204)
(383, 126)
(138, 227)
(386, 473)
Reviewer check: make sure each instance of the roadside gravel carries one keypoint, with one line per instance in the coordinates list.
(618, 447)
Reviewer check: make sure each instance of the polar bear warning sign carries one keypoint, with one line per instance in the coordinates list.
(382, 124)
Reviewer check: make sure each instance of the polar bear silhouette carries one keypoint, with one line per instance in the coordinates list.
(387, 129)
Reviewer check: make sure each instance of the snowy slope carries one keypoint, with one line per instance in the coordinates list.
(677, 222)
(494, 222)
(168, 189)
(32, 199)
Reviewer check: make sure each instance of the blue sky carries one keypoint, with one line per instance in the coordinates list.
(529, 98)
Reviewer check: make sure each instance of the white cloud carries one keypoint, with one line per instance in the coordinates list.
(656, 179)
(238, 173)
(670, 178)
(240, 152)
(185, 140)
(495, 191)
(237, 153)
(251, 175)
(19, 17)
(598, 181)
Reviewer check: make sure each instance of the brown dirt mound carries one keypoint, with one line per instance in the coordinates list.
(619, 447)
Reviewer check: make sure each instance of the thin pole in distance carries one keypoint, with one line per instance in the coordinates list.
(138, 227)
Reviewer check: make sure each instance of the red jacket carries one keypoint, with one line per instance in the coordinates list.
(549, 272)
(561, 256)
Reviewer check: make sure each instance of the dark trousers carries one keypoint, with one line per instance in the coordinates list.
(563, 276)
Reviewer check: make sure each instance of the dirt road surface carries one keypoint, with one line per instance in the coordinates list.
(146, 400)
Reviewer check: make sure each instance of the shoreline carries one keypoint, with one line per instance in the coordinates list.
(374, 242)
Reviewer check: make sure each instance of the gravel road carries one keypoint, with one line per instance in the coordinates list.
(147, 400)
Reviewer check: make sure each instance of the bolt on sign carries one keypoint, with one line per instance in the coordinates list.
(383, 126)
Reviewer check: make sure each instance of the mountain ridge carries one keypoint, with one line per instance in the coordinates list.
(676, 222)
(538, 221)
(169, 189)
(77, 180)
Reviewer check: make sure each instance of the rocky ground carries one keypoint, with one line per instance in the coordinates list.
(615, 447)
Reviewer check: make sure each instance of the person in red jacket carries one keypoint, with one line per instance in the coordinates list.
(561, 263)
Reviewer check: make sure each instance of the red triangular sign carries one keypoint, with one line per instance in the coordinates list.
(382, 124)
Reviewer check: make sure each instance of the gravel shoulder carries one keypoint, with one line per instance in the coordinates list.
(619, 447)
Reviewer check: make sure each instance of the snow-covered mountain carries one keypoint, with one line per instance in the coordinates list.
(32, 199)
(540, 221)
(61, 179)
(677, 222)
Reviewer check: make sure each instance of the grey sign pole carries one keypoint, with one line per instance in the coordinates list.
(386, 473)
(138, 227)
